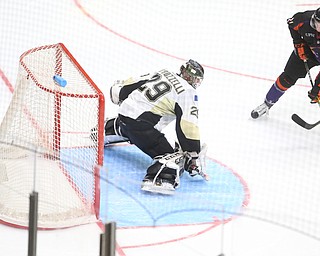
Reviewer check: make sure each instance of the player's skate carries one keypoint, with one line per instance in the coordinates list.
(163, 176)
(261, 110)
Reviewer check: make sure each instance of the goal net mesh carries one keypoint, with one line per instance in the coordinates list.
(45, 142)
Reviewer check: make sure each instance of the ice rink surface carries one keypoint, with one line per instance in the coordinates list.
(243, 46)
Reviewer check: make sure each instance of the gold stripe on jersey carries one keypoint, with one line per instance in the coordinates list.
(164, 107)
(128, 81)
(190, 130)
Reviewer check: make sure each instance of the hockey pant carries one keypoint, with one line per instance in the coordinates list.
(293, 70)
(143, 134)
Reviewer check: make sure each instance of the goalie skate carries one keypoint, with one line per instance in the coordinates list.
(159, 186)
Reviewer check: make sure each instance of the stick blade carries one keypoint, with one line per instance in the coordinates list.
(298, 120)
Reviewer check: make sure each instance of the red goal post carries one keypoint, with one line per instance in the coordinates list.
(45, 142)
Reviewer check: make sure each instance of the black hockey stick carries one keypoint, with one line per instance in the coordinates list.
(308, 71)
(297, 119)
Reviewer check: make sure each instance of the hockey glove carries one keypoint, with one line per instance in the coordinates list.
(314, 95)
(193, 170)
(115, 92)
(193, 165)
(300, 51)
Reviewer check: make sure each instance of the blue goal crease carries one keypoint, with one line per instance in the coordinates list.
(195, 201)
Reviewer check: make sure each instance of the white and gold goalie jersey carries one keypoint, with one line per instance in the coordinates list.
(161, 98)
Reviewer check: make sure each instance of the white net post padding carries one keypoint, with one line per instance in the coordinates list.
(45, 142)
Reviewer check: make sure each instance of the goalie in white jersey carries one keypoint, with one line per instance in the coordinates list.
(146, 106)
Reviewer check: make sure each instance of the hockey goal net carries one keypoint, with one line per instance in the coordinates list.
(45, 143)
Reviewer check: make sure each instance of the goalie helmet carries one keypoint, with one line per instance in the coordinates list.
(315, 20)
(192, 72)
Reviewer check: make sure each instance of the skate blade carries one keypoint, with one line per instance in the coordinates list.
(166, 189)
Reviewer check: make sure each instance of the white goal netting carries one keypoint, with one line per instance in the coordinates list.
(45, 142)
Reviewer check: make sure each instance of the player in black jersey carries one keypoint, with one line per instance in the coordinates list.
(304, 28)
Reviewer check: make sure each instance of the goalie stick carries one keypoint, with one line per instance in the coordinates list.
(297, 119)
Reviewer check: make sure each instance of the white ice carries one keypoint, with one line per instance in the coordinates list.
(244, 46)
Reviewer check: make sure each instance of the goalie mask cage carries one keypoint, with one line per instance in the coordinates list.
(45, 142)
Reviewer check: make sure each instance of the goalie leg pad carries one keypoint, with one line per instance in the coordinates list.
(112, 132)
(163, 176)
(111, 126)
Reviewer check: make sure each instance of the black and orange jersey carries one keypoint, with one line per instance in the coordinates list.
(302, 32)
